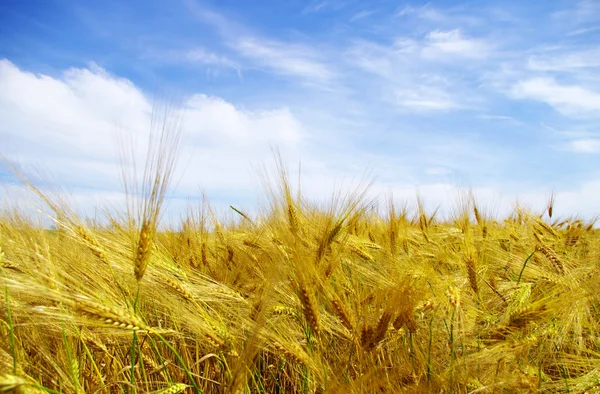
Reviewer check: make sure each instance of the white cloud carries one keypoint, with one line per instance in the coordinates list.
(202, 56)
(452, 43)
(581, 201)
(438, 171)
(374, 58)
(589, 58)
(421, 73)
(435, 46)
(412, 74)
(196, 56)
(78, 112)
(435, 16)
(496, 117)
(570, 100)
(61, 123)
(426, 12)
(585, 145)
(578, 32)
(67, 126)
(316, 6)
(425, 98)
(286, 59)
(215, 121)
(584, 11)
(362, 15)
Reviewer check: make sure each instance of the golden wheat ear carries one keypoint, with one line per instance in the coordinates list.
(109, 316)
(144, 207)
(143, 250)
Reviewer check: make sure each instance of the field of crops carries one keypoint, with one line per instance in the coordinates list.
(354, 296)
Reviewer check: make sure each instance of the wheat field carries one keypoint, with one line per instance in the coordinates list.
(353, 296)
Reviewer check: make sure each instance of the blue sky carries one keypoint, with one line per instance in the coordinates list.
(502, 97)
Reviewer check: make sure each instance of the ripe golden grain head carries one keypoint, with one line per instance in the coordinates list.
(343, 314)
(309, 307)
(144, 247)
(109, 315)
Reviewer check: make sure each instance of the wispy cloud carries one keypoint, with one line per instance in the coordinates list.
(426, 11)
(496, 117)
(442, 43)
(197, 57)
(570, 100)
(316, 6)
(287, 59)
(437, 90)
(362, 15)
(203, 56)
(587, 30)
(566, 61)
(430, 14)
(585, 145)
(420, 71)
(425, 98)
(584, 11)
